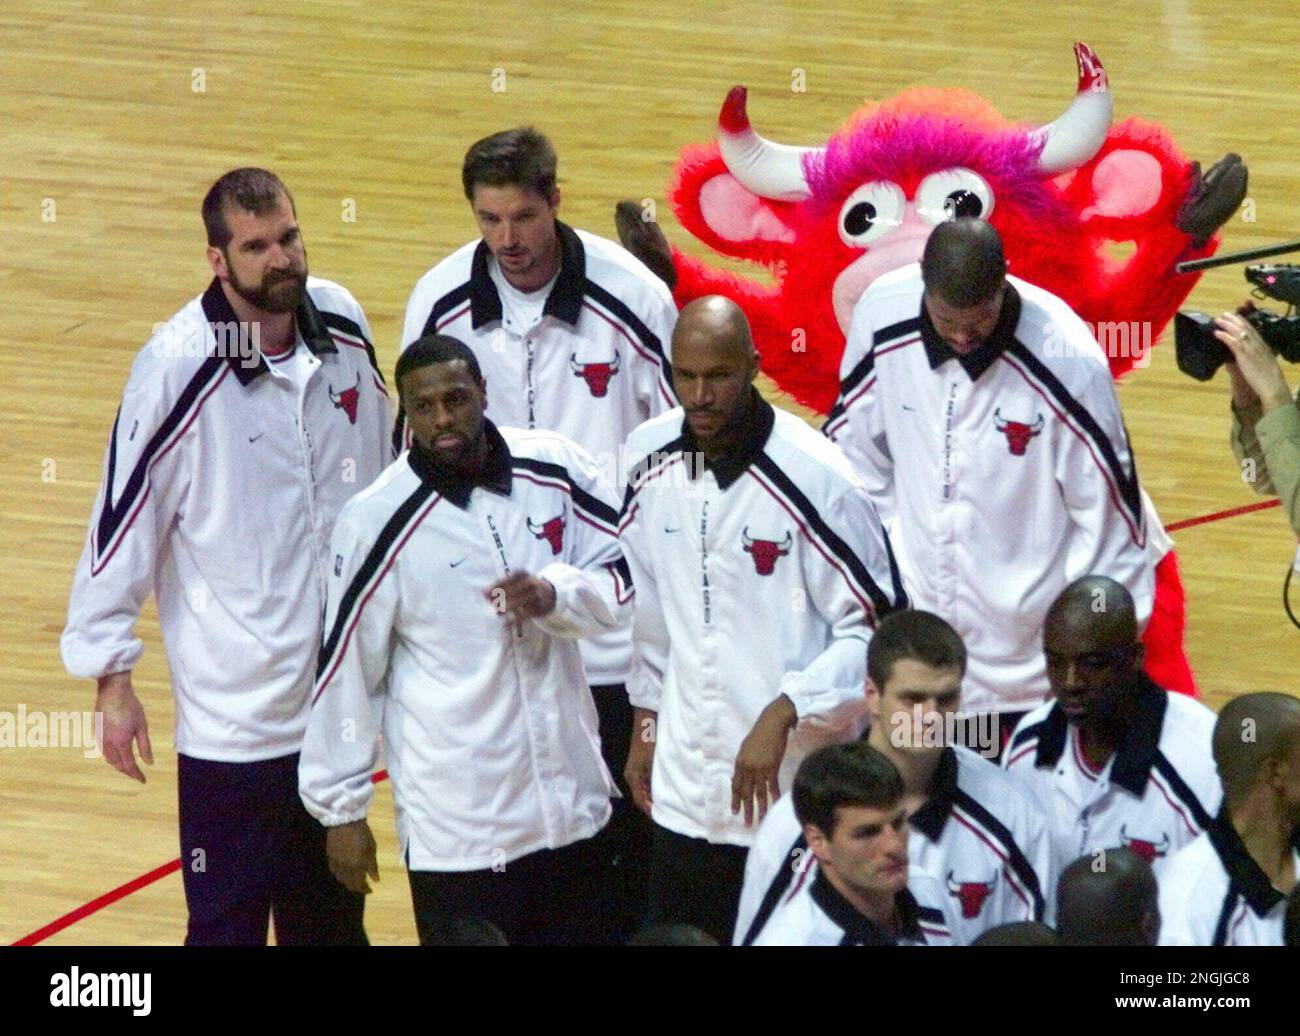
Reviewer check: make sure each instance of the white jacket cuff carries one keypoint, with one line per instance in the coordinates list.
(580, 609)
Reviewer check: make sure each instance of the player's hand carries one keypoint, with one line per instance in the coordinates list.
(1254, 360)
(124, 723)
(350, 850)
(754, 783)
(641, 758)
(521, 596)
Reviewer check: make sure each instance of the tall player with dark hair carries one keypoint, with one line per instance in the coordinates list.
(247, 422)
(982, 415)
(572, 333)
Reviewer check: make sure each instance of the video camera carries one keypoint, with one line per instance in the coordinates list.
(1200, 354)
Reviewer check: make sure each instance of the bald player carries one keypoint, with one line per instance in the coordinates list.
(760, 568)
(1230, 886)
(1114, 759)
(1108, 899)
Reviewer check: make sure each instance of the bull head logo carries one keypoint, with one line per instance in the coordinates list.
(1148, 850)
(1017, 432)
(347, 400)
(596, 375)
(552, 531)
(765, 552)
(971, 894)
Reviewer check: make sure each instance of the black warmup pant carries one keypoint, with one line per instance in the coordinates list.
(250, 851)
(627, 837)
(695, 882)
(542, 899)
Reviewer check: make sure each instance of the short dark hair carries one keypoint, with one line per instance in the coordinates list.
(1018, 933)
(914, 634)
(851, 774)
(1108, 900)
(672, 935)
(253, 190)
(518, 157)
(465, 930)
(1273, 723)
(435, 348)
(963, 262)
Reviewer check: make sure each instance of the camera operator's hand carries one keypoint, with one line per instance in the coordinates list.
(1256, 374)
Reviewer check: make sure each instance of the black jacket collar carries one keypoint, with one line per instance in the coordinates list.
(976, 363)
(218, 311)
(859, 930)
(565, 300)
(1137, 752)
(496, 475)
(731, 465)
(933, 814)
(1244, 874)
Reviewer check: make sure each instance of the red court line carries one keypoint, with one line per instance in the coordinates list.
(107, 899)
(1217, 516)
(119, 893)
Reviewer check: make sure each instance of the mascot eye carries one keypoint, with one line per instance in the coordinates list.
(952, 194)
(871, 211)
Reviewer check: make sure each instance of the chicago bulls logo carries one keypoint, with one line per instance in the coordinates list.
(1148, 850)
(596, 375)
(1017, 432)
(552, 531)
(347, 400)
(971, 894)
(765, 552)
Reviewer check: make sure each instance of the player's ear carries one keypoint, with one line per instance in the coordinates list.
(816, 840)
(873, 700)
(554, 199)
(217, 260)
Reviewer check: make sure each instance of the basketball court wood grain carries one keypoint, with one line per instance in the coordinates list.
(114, 121)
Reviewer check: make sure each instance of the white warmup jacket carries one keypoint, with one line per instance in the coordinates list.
(1212, 893)
(1004, 474)
(222, 481)
(762, 575)
(490, 733)
(591, 364)
(1155, 794)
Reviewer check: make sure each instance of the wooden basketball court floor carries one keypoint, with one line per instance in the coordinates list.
(114, 119)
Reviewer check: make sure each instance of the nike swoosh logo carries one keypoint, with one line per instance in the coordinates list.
(666, 529)
(911, 408)
(454, 564)
(254, 438)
